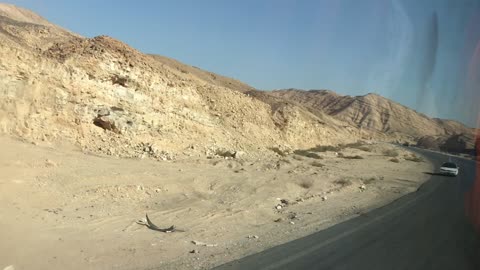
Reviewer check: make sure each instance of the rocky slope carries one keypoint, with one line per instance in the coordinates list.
(376, 114)
(457, 144)
(107, 97)
(203, 75)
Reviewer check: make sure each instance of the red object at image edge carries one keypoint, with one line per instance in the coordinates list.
(472, 203)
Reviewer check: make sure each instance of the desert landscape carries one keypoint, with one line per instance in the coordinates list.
(62, 208)
(96, 134)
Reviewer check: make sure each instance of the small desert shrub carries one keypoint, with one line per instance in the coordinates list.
(343, 182)
(286, 161)
(370, 180)
(317, 164)
(357, 145)
(391, 153)
(298, 157)
(225, 153)
(306, 183)
(365, 148)
(414, 158)
(350, 157)
(306, 153)
(278, 151)
(395, 160)
(352, 145)
(325, 148)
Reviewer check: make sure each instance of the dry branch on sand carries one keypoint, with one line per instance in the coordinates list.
(149, 224)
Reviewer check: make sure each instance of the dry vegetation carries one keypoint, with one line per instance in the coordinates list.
(391, 153)
(364, 148)
(317, 164)
(306, 183)
(370, 180)
(343, 182)
(414, 158)
(358, 145)
(341, 155)
(325, 148)
(279, 152)
(299, 158)
(308, 154)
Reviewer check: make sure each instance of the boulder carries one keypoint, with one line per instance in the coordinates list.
(428, 142)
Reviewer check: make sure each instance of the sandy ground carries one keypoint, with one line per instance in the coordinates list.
(63, 209)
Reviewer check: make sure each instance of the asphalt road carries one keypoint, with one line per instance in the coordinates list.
(426, 229)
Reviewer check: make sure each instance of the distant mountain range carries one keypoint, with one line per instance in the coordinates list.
(378, 114)
(373, 112)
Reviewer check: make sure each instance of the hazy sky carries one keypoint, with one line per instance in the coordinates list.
(422, 53)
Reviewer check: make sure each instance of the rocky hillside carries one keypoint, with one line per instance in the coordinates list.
(203, 75)
(374, 113)
(104, 96)
(458, 144)
(107, 97)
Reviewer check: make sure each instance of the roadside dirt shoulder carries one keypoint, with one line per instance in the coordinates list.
(62, 209)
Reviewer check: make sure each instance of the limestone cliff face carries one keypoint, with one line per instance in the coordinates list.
(104, 96)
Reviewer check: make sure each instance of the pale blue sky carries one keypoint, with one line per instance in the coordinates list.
(417, 52)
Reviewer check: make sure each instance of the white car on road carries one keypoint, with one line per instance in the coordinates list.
(449, 168)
